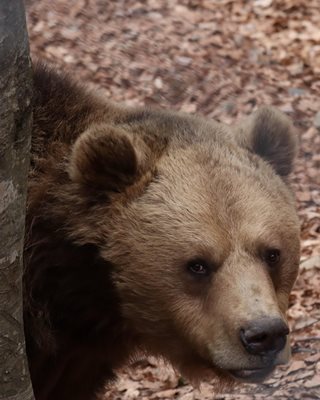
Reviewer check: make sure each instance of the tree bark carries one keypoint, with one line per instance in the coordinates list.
(15, 127)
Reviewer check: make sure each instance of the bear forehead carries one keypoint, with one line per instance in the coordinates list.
(205, 196)
(220, 174)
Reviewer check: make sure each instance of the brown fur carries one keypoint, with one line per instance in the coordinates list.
(119, 201)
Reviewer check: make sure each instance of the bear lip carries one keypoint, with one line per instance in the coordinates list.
(251, 375)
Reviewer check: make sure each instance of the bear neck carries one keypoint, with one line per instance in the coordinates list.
(71, 308)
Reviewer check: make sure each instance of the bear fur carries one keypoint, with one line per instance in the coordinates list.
(121, 201)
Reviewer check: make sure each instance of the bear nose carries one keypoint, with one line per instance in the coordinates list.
(265, 336)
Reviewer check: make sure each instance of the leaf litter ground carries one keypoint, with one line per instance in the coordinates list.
(222, 59)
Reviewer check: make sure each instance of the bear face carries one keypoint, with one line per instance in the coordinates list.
(154, 231)
(206, 246)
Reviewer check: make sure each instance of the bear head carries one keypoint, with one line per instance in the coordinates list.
(199, 225)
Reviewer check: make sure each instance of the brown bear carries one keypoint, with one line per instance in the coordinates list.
(154, 232)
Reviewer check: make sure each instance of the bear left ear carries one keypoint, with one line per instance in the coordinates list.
(107, 157)
(271, 135)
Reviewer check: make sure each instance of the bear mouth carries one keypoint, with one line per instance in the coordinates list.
(253, 375)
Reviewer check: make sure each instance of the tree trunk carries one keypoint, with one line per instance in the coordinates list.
(15, 126)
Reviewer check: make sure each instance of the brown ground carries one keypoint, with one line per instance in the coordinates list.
(221, 58)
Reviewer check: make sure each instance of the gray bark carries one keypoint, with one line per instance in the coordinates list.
(15, 126)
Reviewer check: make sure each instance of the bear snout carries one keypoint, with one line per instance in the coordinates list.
(264, 336)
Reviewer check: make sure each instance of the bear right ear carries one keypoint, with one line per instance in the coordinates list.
(107, 157)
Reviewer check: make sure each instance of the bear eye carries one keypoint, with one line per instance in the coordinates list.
(198, 267)
(272, 257)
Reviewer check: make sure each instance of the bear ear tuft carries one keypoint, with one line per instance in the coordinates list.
(271, 135)
(107, 157)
